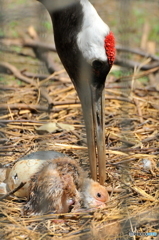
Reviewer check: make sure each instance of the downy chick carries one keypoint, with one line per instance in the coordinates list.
(93, 194)
(54, 189)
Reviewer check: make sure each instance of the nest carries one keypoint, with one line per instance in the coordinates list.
(131, 152)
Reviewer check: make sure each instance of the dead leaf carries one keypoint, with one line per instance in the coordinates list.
(65, 126)
(54, 127)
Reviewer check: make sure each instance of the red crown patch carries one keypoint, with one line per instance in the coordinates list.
(109, 44)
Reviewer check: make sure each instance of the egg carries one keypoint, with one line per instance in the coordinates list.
(26, 167)
(22, 172)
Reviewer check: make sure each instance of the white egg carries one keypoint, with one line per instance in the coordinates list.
(22, 171)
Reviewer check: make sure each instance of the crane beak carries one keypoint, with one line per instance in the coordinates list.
(91, 93)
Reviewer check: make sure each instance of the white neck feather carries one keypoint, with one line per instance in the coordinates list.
(91, 38)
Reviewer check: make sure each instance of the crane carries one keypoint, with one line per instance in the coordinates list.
(86, 47)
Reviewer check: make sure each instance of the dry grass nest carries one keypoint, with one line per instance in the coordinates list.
(132, 123)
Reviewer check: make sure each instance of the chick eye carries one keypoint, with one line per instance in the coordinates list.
(96, 64)
(98, 195)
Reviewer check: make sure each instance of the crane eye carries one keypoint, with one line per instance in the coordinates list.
(96, 64)
(99, 195)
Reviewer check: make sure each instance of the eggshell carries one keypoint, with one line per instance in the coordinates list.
(22, 171)
(4, 172)
(3, 189)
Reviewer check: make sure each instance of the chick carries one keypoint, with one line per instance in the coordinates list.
(55, 187)
(61, 186)
(93, 194)
(54, 183)
(43, 155)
